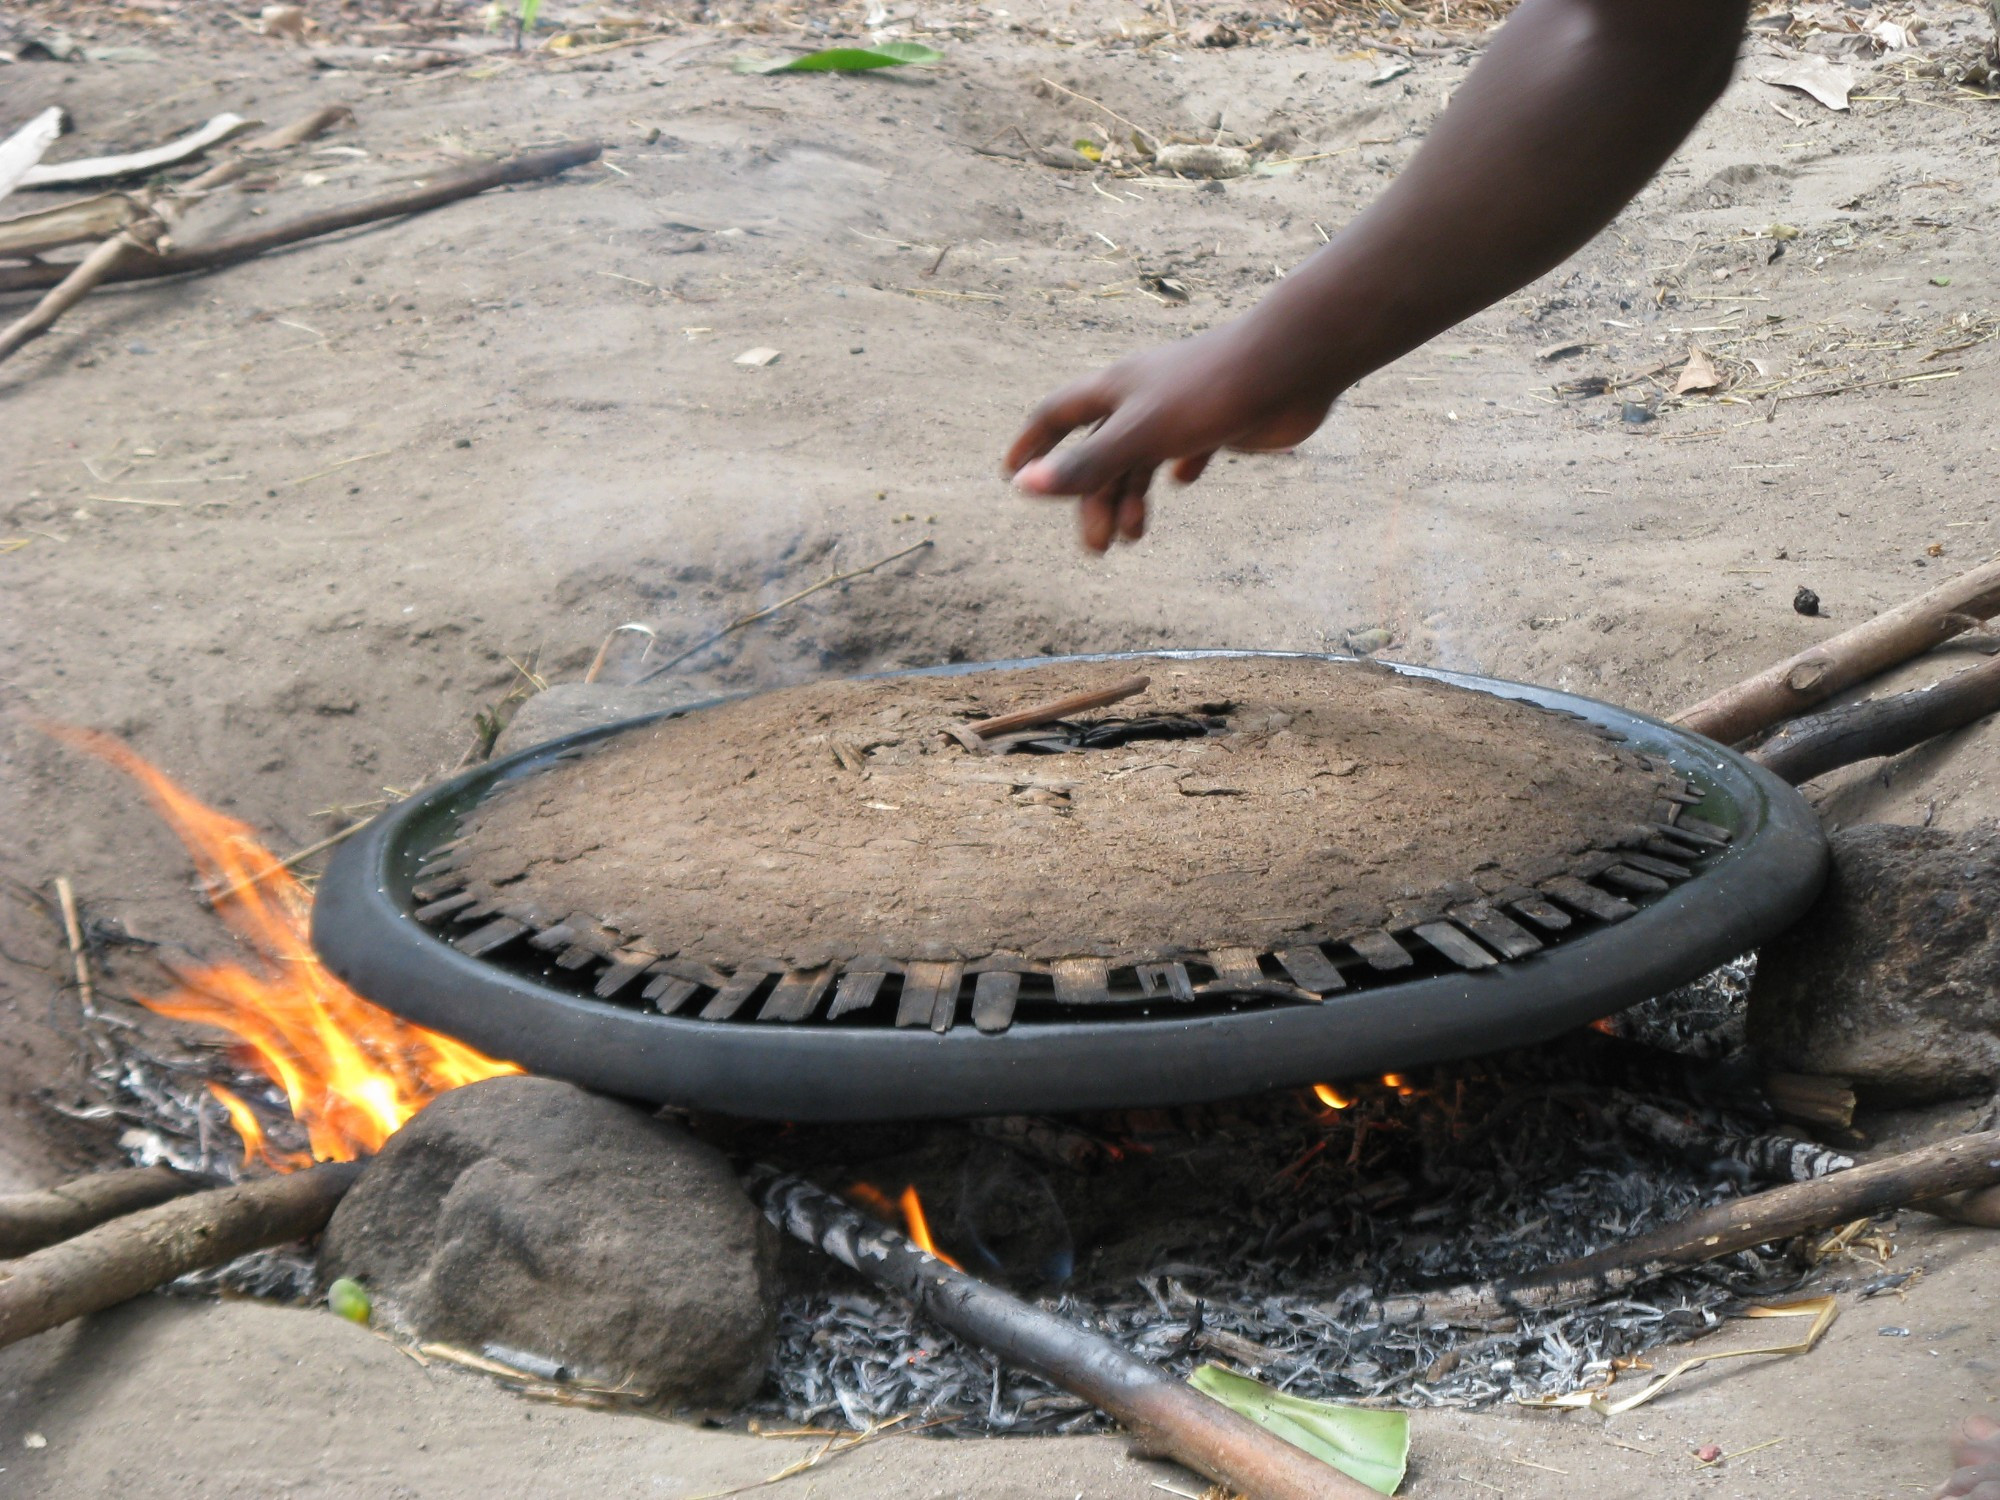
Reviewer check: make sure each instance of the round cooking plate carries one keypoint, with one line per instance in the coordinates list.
(1622, 946)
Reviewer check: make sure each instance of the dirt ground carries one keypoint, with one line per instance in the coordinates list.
(417, 466)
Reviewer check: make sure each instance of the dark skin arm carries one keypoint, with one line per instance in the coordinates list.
(1576, 104)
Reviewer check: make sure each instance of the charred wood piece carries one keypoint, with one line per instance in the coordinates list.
(1164, 1413)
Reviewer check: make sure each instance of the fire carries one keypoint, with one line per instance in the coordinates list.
(915, 1224)
(352, 1072)
(919, 1228)
(1330, 1096)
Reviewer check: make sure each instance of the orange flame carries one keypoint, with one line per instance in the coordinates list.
(919, 1228)
(352, 1072)
(1330, 1096)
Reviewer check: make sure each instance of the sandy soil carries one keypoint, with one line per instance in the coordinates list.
(541, 434)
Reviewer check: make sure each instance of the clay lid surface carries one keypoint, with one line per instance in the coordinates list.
(821, 823)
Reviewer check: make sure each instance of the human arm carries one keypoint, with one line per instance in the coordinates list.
(1576, 104)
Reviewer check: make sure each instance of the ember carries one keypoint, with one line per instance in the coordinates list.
(351, 1072)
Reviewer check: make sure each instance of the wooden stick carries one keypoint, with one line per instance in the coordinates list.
(1818, 672)
(101, 265)
(771, 609)
(124, 249)
(1969, 1163)
(1818, 743)
(1167, 1415)
(529, 166)
(79, 955)
(1951, 1173)
(118, 1260)
(1061, 708)
(305, 128)
(295, 857)
(28, 1221)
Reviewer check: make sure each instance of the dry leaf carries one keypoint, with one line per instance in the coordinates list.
(1822, 1311)
(1699, 374)
(1814, 75)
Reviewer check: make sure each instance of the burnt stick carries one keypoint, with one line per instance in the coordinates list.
(28, 1221)
(118, 1260)
(1940, 1178)
(1819, 743)
(529, 166)
(1062, 708)
(1818, 672)
(1167, 1416)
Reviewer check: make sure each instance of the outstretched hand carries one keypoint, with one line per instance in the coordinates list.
(1174, 407)
(1976, 1452)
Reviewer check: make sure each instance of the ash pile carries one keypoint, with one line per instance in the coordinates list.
(1275, 1233)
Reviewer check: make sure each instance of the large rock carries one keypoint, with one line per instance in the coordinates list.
(522, 1216)
(1893, 978)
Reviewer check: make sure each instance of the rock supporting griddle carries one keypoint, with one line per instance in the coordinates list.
(526, 1217)
(1892, 980)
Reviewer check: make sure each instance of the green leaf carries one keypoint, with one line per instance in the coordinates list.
(844, 59)
(1365, 1444)
(529, 10)
(349, 1299)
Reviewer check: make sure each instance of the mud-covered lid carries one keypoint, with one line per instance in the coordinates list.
(1236, 803)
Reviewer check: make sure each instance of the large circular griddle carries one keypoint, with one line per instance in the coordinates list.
(1734, 858)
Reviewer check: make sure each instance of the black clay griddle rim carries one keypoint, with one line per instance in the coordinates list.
(1762, 883)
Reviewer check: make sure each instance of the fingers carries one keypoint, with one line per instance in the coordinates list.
(1125, 443)
(1056, 418)
(1132, 513)
(1187, 470)
(1115, 512)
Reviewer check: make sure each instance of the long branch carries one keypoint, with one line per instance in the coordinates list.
(118, 1260)
(28, 1221)
(529, 166)
(1818, 743)
(1818, 672)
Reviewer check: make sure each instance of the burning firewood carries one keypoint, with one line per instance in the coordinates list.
(120, 1259)
(1167, 1416)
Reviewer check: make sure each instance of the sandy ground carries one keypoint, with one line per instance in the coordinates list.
(407, 459)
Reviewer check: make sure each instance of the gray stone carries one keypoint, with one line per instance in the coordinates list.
(567, 707)
(1893, 978)
(525, 1217)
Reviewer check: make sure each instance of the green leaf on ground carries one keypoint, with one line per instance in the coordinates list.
(1365, 1444)
(844, 59)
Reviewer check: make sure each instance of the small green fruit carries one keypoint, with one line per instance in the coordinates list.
(349, 1299)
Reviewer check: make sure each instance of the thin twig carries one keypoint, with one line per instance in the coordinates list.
(1107, 109)
(79, 955)
(751, 619)
(295, 857)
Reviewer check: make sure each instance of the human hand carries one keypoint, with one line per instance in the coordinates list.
(1976, 1452)
(1172, 407)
